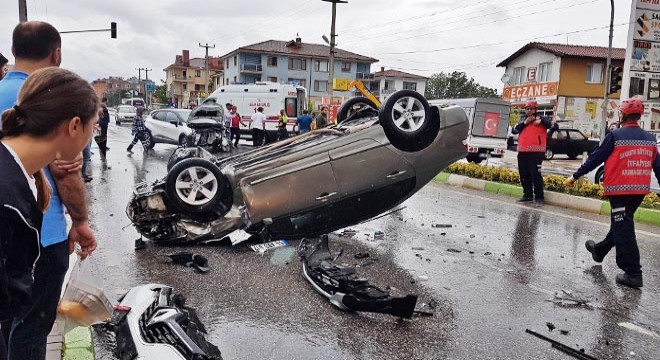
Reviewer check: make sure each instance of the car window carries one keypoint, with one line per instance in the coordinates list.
(576, 135)
(125, 109)
(159, 115)
(171, 117)
(184, 114)
(556, 135)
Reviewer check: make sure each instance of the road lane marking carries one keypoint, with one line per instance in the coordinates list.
(571, 217)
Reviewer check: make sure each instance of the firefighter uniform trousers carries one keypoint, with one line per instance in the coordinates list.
(529, 167)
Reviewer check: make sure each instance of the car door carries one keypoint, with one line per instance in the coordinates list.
(171, 127)
(578, 143)
(298, 196)
(155, 124)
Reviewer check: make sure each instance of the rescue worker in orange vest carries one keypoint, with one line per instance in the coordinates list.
(629, 154)
(533, 130)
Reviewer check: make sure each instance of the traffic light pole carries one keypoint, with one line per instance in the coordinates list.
(608, 74)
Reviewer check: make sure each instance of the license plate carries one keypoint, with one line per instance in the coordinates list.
(262, 248)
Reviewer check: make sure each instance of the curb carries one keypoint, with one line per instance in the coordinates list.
(594, 206)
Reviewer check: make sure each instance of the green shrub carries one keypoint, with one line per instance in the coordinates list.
(552, 182)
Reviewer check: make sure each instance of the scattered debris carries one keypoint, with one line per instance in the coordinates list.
(481, 216)
(441, 226)
(361, 255)
(432, 303)
(423, 278)
(348, 232)
(564, 332)
(550, 326)
(569, 300)
(578, 354)
(443, 233)
(262, 248)
(488, 253)
(417, 248)
(453, 250)
(639, 329)
(428, 260)
(341, 251)
(423, 313)
(472, 236)
(188, 259)
(471, 252)
(379, 234)
(140, 244)
(419, 255)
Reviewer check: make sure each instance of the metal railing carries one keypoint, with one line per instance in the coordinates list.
(251, 67)
(364, 76)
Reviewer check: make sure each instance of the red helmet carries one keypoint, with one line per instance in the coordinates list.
(632, 106)
(532, 104)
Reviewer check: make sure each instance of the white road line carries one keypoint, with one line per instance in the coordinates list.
(572, 217)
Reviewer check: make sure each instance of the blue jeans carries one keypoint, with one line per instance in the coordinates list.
(87, 158)
(29, 333)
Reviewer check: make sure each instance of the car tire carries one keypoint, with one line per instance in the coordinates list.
(572, 156)
(149, 141)
(407, 122)
(183, 140)
(549, 154)
(474, 158)
(353, 105)
(197, 187)
(118, 122)
(600, 176)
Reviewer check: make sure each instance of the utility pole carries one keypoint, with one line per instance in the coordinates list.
(206, 63)
(22, 10)
(146, 81)
(603, 122)
(331, 73)
(139, 79)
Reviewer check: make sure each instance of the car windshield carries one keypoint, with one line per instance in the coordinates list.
(185, 114)
(576, 135)
(126, 110)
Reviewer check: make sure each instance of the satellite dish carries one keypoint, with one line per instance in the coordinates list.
(505, 78)
(325, 38)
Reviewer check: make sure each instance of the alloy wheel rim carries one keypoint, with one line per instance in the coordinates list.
(408, 114)
(196, 185)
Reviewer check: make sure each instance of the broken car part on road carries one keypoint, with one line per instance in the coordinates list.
(153, 323)
(405, 144)
(343, 288)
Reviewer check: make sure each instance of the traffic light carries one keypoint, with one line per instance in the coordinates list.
(113, 30)
(616, 74)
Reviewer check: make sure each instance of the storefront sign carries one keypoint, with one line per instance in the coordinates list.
(526, 92)
(531, 74)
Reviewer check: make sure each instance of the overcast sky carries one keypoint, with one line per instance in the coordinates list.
(469, 35)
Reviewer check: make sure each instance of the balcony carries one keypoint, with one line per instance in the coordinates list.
(364, 76)
(183, 78)
(251, 68)
(388, 91)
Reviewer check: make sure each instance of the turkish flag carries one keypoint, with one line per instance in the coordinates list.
(491, 121)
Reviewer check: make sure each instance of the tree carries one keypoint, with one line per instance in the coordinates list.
(160, 93)
(456, 86)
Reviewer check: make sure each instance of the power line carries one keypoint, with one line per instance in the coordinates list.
(499, 43)
(486, 23)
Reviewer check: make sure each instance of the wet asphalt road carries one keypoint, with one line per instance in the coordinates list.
(505, 262)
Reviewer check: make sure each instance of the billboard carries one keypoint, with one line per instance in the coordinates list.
(641, 72)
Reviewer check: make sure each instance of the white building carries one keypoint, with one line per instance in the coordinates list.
(383, 83)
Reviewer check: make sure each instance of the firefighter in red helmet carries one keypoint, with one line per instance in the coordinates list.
(629, 154)
(531, 150)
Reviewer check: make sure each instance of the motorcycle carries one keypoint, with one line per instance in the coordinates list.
(208, 128)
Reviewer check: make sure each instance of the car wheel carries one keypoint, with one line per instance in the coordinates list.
(353, 105)
(118, 122)
(183, 140)
(196, 186)
(572, 156)
(474, 158)
(407, 122)
(600, 176)
(549, 154)
(149, 142)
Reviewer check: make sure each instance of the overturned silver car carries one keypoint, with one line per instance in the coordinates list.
(307, 185)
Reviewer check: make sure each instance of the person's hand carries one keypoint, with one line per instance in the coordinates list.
(570, 182)
(529, 120)
(81, 233)
(70, 165)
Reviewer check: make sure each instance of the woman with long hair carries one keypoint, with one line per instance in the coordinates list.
(53, 119)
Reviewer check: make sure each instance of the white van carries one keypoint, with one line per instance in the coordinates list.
(271, 96)
(489, 125)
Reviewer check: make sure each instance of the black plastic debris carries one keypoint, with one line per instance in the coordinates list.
(453, 250)
(361, 255)
(188, 259)
(441, 226)
(564, 332)
(550, 326)
(140, 244)
(578, 354)
(417, 248)
(487, 253)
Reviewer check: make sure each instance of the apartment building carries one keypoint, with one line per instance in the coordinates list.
(383, 83)
(186, 79)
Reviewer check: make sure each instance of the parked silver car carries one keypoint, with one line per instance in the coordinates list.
(125, 113)
(306, 185)
(169, 126)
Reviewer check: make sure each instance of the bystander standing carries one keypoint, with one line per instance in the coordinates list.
(321, 120)
(258, 126)
(304, 123)
(282, 132)
(235, 129)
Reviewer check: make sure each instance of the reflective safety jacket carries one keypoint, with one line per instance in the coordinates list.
(630, 154)
(532, 137)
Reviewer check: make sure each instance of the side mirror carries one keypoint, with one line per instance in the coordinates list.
(174, 122)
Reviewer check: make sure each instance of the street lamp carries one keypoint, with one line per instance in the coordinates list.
(331, 74)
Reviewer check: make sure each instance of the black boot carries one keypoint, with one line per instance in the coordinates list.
(591, 247)
(130, 148)
(633, 281)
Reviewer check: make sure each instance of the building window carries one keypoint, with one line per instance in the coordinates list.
(227, 63)
(320, 86)
(545, 72)
(184, 86)
(272, 79)
(227, 83)
(297, 64)
(235, 60)
(234, 79)
(299, 82)
(410, 85)
(518, 75)
(185, 73)
(345, 66)
(272, 61)
(594, 73)
(198, 73)
(321, 65)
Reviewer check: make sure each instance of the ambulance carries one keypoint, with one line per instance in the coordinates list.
(489, 126)
(271, 96)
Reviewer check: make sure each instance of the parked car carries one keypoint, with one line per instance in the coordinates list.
(169, 126)
(571, 142)
(125, 113)
(597, 176)
(305, 185)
